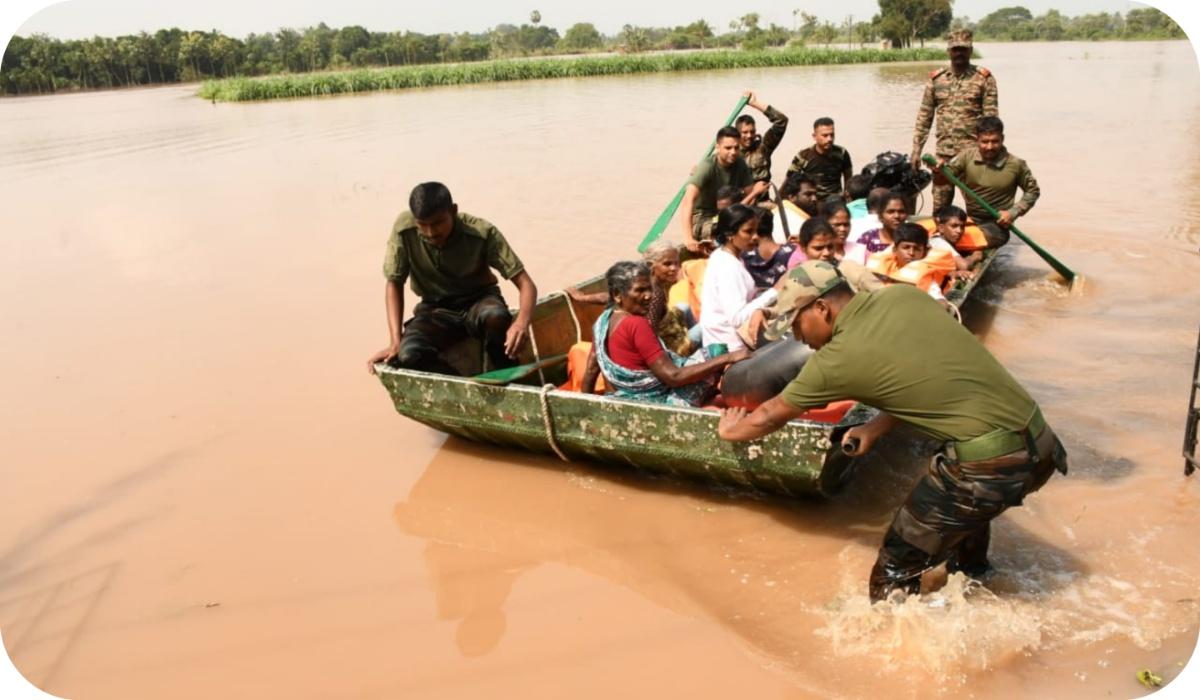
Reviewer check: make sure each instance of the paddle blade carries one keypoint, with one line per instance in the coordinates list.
(508, 375)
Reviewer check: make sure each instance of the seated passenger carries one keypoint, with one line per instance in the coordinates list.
(892, 212)
(662, 257)
(862, 224)
(967, 237)
(951, 223)
(817, 242)
(838, 216)
(909, 260)
(767, 263)
(633, 359)
(729, 292)
(797, 202)
(670, 322)
(857, 189)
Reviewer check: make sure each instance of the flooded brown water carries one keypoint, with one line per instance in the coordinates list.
(206, 495)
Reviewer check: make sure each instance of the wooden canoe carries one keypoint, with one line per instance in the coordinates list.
(801, 459)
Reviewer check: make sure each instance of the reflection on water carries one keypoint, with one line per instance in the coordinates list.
(781, 579)
(174, 270)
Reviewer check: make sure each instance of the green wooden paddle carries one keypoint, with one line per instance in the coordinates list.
(664, 219)
(509, 375)
(1068, 274)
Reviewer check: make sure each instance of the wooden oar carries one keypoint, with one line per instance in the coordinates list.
(1068, 274)
(509, 375)
(664, 219)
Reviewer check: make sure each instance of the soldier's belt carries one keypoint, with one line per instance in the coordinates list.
(998, 442)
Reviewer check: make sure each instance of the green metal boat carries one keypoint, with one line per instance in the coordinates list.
(801, 459)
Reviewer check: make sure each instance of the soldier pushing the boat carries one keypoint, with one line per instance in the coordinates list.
(895, 349)
(959, 96)
(447, 257)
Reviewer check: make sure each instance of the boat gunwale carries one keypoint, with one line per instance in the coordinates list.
(580, 396)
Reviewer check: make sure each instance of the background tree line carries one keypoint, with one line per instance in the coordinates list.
(42, 64)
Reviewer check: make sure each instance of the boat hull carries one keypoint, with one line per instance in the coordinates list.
(801, 459)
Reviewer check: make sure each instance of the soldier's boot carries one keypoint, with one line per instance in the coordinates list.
(898, 567)
(970, 555)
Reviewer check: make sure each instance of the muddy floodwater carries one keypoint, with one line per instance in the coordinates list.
(206, 495)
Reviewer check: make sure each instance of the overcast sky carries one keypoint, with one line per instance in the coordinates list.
(83, 18)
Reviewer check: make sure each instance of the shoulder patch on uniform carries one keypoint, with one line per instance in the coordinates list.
(935, 73)
(985, 72)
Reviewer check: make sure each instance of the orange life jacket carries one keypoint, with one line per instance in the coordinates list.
(577, 358)
(972, 238)
(691, 283)
(924, 273)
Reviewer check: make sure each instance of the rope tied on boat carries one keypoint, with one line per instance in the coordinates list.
(543, 395)
(574, 318)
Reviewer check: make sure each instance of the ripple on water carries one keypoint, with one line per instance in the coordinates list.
(1034, 601)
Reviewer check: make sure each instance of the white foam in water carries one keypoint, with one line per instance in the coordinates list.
(961, 627)
(965, 627)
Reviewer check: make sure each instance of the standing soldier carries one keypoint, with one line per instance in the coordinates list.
(756, 149)
(960, 95)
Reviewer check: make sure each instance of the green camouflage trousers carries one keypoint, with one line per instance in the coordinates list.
(948, 514)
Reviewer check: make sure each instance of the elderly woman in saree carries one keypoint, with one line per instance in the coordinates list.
(634, 360)
(671, 324)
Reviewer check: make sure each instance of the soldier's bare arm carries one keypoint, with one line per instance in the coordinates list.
(736, 425)
(393, 295)
(685, 218)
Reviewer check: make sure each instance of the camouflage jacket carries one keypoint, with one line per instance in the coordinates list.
(958, 101)
(828, 171)
(758, 156)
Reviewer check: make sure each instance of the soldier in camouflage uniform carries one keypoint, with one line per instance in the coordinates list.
(959, 95)
(756, 150)
(825, 163)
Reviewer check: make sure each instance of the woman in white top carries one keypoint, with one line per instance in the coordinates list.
(728, 298)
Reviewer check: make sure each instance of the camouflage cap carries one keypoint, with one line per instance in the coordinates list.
(803, 285)
(961, 39)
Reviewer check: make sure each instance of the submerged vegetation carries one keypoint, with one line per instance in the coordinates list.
(313, 84)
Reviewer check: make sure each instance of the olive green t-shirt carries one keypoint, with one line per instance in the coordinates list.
(461, 269)
(996, 182)
(896, 349)
(710, 177)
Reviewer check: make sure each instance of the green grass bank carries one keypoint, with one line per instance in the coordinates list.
(369, 80)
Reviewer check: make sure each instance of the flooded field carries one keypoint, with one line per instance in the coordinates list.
(207, 496)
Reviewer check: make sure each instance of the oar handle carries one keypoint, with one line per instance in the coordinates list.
(1042, 252)
(664, 219)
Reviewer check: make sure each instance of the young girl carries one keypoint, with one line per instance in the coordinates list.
(838, 216)
(818, 241)
(892, 213)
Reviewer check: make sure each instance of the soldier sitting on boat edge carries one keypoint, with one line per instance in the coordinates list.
(447, 257)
